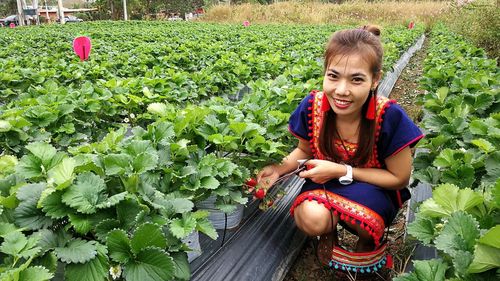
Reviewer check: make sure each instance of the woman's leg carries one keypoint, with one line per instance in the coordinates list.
(313, 218)
(365, 240)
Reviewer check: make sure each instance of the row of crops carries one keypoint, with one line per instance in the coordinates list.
(461, 162)
(104, 161)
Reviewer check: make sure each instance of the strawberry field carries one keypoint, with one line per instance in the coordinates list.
(104, 161)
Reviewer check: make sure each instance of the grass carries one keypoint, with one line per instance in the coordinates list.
(353, 12)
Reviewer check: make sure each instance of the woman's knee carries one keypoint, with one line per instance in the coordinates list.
(313, 218)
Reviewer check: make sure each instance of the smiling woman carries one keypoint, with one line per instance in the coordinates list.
(360, 149)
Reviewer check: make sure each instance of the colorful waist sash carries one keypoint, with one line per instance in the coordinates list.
(351, 212)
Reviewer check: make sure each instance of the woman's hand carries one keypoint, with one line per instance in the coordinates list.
(267, 177)
(323, 171)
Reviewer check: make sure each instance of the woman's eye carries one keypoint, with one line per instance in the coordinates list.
(333, 76)
(357, 80)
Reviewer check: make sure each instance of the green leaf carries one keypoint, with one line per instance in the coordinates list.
(116, 164)
(77, 251)
(492, 168)
(238, 128)
(13, 243)
(458, 234)
(30, 167)
(8, 164)
(112, 201)
(461, 262)
(181, 227)
(448, 198)
(422, 229)
(50, 240)
(446, 158)
(35, 273)
(27, 214)
(6, 228)
(206, 227)
(182, 269)
(88, 191)
(127, 212)
(490, 238)
(428, 270)
(95, 269)
(181, 205)
(62, 173)
(147, 235)
(119, 246)
(441, 93)
(485, 258)
(104, 227)
(43, 151)
(53, 206)
(210, 183)
(145, 162)
(80, 222)
(484, 145)
(150, 265)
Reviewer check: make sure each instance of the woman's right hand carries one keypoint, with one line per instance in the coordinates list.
(267, 177)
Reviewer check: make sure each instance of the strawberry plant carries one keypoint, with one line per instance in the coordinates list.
(461, 161)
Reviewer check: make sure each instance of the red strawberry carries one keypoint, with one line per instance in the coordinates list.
(251, 182)
(260, 193)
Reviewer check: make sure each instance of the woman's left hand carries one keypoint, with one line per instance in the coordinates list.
(321, 171)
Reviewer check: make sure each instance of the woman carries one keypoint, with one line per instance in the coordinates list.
(359, 146)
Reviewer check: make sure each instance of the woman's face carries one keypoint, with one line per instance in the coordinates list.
(347, 83)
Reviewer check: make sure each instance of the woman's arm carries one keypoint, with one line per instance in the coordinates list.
(269, 174)
(396, 176)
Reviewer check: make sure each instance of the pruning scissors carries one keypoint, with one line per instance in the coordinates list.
(301, 167)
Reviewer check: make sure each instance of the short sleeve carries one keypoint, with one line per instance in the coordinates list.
(297, 124)
(397, 132)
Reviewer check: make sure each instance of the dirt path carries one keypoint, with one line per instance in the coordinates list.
(306, 267)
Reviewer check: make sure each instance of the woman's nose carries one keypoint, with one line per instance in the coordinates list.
(341, 88)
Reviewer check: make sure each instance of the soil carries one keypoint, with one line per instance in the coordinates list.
(307, 267)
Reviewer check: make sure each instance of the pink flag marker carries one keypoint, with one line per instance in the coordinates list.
(82, 46)
(411, 25)
(246, 23)
(12, 25)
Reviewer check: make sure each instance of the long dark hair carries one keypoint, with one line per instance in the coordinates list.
(364, 41)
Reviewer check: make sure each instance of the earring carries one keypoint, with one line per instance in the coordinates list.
(372, 103)
(325, 105)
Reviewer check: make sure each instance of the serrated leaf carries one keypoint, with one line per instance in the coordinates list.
(104, 227)
(94, 270)
(35, 273)
(491, 237)
(80, 222)
(144, 162)
(13, 243)
(181, 205)
(116, 164)
(127, 211)
(112, 201)
(26, 214)
(54, 207)
(492, 168)
(238, 128)
(147, 235)
(77, 251)
(485, 258)
(50, 240)
(484, 145)
(182, 269)
(150, 265)
(43, 151)
(8, 164)
(62, 173)
(30, 167)
(204, 226)
(422, 229)
(448, 198)
(86, 193)
(119, 246)
(181, 227)
(459, 233)
(210, 183)
(6, 228)
(461, 261)
(430, 270)
(442, 93)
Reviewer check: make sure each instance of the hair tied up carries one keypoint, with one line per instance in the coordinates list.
(373, 29)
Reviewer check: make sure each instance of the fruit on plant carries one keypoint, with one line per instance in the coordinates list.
(251, 182)
(260, 193)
